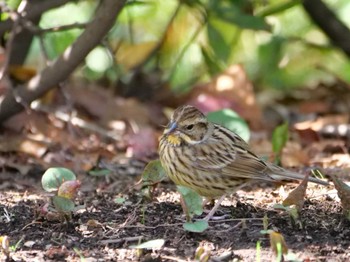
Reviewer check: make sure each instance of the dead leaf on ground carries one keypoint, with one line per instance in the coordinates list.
(311, 130)
(143, 143)
(293, 155)
(343, 193)
(277, 239)
(102, 105)
(332, 161)
(297, 196)
(19, 143)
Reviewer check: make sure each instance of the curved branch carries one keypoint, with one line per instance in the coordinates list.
(35, 11)
(60, 69)
(329, 23)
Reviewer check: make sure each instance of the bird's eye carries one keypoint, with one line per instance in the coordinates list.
(189, 127)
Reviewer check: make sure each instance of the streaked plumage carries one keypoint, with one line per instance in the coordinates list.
(211, 159)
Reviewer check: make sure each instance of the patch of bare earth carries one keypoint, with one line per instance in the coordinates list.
(103, 230)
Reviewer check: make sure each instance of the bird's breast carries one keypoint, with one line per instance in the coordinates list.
(173, 140)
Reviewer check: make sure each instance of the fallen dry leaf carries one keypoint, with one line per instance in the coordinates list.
(343, 193)
(143, 143)
(297, 196)
(293, 155)
(277, 239)
(312, 130)
(19, 143)
(22, 73)
(69, 189)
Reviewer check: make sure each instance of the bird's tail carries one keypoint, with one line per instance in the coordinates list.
(279, 173)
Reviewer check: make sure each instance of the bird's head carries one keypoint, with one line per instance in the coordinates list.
(187, 125)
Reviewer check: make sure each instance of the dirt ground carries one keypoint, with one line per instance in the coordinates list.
(103, 230)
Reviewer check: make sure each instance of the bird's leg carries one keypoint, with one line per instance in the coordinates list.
(208, 200)
(185, 209)
(212, 212)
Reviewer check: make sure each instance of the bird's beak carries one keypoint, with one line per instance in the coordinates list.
(171, 129)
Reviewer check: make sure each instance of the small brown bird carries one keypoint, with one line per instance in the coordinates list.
(211, 159)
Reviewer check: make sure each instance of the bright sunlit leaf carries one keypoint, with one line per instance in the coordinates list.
(62, 204)
(197, 226)
(231, 120)
(156, 243)
(153, 173)
(54, 177)
(193, 201)
(279, 139)
(98, 60)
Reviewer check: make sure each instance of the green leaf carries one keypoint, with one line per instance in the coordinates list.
(279, 138)
(213, 65)
(101, 172)
(246, 21)
(119, 200)
(258, 251)
(54, 177)
(197, 227)
(63, 204)
(217, 41)
(98, 60)
(13, 4)
(233, 12)
(293, 212)
(232, 121)
(156, 243)
(192, 200)
(270, 53)
(279, 7)
(153, 173)
(280, 207)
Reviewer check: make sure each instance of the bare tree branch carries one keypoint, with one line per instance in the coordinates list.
(41, 31)
(329, 23)
(35, 11)
(22, 37)
(60, 69)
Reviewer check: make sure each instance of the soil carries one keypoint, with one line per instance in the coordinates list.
(103, 230)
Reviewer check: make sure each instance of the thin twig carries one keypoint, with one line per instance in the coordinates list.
(32, 223)
(174, 258)
(43, 50)
(125, 239)
(60, 69)
(9, 44)
(35, 11)
(151, 227)
(60, 28)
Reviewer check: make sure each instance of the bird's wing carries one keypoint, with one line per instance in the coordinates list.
(227, 154)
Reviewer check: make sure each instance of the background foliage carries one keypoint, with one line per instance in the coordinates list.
(189, 41)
